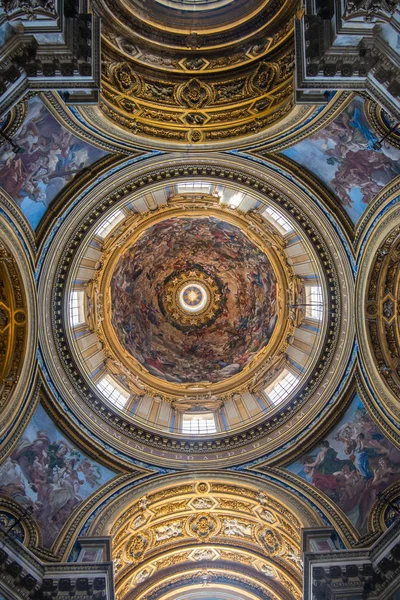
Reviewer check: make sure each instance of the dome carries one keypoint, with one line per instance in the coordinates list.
(193, 300)
(194, 307)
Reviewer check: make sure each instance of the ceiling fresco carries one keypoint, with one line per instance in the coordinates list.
(352, 465)
(50, 157)
(49, 476)
(342, 156)
(199, 308)
(178, 77)
(242, 317)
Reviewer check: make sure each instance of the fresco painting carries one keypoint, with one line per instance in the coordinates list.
(49, 158)
(352, 465)
(49, 476)
(220, 348)
(342, 156)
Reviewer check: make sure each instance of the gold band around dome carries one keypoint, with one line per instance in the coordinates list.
(117, 356)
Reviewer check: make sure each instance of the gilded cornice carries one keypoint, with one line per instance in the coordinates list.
(216, 575)
(234, 577)
(89, 123)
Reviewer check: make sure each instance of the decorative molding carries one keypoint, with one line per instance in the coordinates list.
(140, 182)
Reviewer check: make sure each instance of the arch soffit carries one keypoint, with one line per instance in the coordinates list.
(18, 325)
(176, 520)
(377, 252)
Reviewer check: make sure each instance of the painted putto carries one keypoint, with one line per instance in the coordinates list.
(239, 277)
(343, 156)
(49, 476)
(49, 158)
(352, 465)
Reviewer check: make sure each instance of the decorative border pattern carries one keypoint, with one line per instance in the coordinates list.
(114, 418)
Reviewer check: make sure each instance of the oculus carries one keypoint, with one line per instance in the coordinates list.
(192, 299)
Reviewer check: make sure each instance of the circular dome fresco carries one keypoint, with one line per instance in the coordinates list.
(193, 303)
(193, 299)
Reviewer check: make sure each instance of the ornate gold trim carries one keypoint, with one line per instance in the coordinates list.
(185, 206)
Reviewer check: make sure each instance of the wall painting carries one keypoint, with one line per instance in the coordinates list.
(50, 157)
(342, 156)
(49, 475)
(352, 465)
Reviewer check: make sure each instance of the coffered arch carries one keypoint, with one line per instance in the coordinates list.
(18, 323)
(378, 284)
(180, 531)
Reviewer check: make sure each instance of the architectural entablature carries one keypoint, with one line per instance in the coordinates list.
(348, 46)
(49, 46)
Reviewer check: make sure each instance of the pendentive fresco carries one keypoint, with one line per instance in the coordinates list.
(47, 474)
(50, 157)
(352, 465)
(343, 156)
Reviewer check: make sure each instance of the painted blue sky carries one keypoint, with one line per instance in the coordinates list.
(50, 157)
(341, 155)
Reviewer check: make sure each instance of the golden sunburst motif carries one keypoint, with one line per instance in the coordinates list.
(191, 299)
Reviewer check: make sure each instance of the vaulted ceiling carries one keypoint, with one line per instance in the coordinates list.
(199, 309)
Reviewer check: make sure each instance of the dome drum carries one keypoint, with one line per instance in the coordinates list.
(118, 305)
(143, 393)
